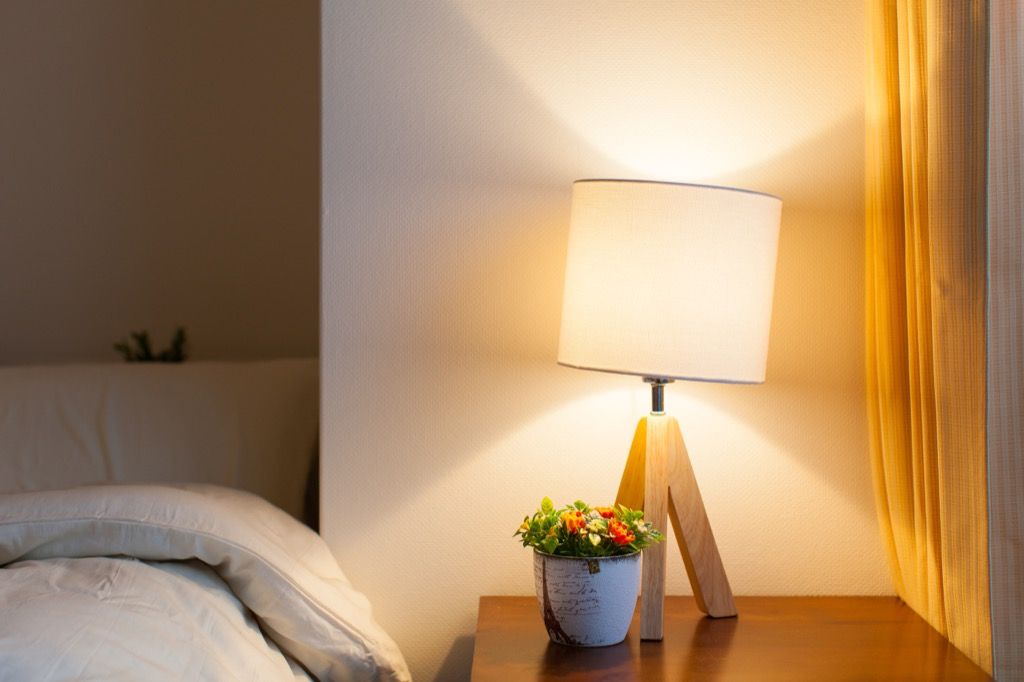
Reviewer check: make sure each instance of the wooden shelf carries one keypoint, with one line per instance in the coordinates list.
(774, 638)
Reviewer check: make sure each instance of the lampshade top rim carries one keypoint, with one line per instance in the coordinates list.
(660, 375)
(679, 184)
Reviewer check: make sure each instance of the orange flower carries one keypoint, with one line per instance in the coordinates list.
(573, 521)
(621, 535)
(606, 512)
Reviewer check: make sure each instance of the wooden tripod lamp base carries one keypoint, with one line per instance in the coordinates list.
(659, 479)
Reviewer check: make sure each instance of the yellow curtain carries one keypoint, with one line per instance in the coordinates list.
(926, 161)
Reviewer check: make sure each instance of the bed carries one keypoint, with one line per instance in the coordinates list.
(150, 529)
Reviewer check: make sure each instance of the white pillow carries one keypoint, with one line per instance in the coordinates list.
(250, 425)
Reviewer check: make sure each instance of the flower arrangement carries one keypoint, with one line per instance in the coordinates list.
(579, 530)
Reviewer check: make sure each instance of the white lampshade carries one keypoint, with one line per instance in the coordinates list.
(669, 280)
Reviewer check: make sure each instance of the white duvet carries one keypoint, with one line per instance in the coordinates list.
(176, 583)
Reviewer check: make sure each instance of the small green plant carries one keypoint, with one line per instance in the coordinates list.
(143, 352)
(583, 531)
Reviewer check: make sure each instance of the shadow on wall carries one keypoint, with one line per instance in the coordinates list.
(446, 186)
(161, 166)
(446, 197)
(454, 666)
(817, 336)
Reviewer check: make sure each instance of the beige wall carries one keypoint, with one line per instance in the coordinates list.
(452, 132)
(158, 166)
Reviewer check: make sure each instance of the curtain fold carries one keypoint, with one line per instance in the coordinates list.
(926, 295)
(1005, 312)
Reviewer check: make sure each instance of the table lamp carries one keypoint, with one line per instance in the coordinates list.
(670, 281)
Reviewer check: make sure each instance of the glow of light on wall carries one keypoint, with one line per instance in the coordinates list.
(723, 448)
(681, 91)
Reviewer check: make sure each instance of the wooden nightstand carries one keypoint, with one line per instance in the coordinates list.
(774, 638)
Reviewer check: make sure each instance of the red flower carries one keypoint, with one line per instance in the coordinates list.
(621, 535)
(606, 512)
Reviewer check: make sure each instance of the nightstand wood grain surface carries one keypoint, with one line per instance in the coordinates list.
(774, 638)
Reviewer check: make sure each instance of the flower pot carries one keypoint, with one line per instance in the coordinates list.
(587, 601)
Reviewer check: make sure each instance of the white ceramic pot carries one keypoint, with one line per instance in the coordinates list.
(587, 602)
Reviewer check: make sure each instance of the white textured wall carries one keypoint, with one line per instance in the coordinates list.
(158, 166)
(452, 132)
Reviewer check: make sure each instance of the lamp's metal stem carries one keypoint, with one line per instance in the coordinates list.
(658, 393)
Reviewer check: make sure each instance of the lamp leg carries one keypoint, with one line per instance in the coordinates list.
(659, 479)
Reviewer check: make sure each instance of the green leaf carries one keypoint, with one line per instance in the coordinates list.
(580, 504)
(547, 506)
(550, 544)
(125, 350)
